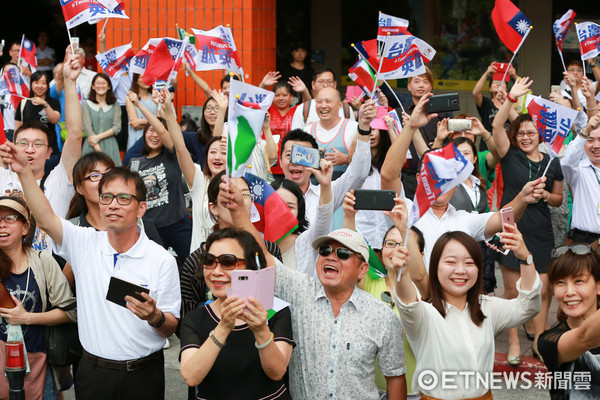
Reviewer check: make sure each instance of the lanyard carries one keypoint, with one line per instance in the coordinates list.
(538, 169)
(595, 174)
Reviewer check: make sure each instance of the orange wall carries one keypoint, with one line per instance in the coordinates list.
(252, 22)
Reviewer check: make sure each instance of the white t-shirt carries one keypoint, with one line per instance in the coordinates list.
(48, 52)
(58, 190)
(106, 329)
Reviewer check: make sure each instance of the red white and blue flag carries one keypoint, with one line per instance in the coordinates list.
(12, 84)
(368, 51)
(392, 25)
(216, 50)
(551, 120)
(116, 60)
(140, 60)
(397, 121)
(405, 56)
(76, 12)
(588, 34)
(511, 24)
(276, 218)
(164, 61)
(442, 170)
(561, 27)
(362, 74)
(27, 53)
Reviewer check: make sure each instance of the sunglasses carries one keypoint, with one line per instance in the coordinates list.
(226, 261)
(578, 249)
(386, 297)
(341, 252)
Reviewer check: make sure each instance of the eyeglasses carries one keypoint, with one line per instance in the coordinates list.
(325, 82)
(211, 109)
(527, 133)
(10, 219)
(341, 252)
(36, 145)
(390, 244)
(226, 261)
(123, 199)
(248, 197)
(95, 177)
(578, 249)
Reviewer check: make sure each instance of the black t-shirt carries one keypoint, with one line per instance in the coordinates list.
(164, 190)
(32, 112)
(305, 74)
(487, 113)
(237, 372)
(580, 370)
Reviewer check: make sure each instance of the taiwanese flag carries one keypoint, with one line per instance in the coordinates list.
(276, 218)
(510, 23)
(163, 60)
(441, 170)
(28, 52)
(115, 60)
(12, 84)
(368, 50)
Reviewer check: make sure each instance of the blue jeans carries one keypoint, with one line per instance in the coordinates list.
(49, 386)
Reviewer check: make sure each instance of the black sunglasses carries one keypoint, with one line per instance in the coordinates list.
(227, 261)
(341, 252)
(386, 297)
(578, 249)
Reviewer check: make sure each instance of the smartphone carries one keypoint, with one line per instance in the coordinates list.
(555, 89)
(119, 288)
(443, 103)
(307, 156)
(501, 67)
(75, 42)
(459, 125)
(259, 284)
(374, 199)
(507, 216)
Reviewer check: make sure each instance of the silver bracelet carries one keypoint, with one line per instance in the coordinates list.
(215, 340)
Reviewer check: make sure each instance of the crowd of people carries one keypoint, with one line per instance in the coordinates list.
(364, 303)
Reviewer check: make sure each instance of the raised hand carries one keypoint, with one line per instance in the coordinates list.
(133, 98)
(442, 129)
(348, 205)
(520, 87)
(270, 78)
(221, 99)
(324, 173)
(71, 67)
(297, 84)
(14, 156)
(368, 112)
(399, 215)
(513, 240)
(419, 118)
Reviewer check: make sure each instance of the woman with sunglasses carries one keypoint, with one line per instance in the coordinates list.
(521, 161)
(572, 345)
(231, 348)
(39, 290)
(454, 329)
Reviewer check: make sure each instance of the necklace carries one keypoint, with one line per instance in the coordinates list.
(538, 168)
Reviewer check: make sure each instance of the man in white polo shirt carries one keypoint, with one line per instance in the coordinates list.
(123, 357)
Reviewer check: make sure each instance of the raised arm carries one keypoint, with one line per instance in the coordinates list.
(298, 86)
(481, 83)
(40, 207)
(71, 152)
(271, 146)
(349, 211)
(501, 140)
(183, 155)
(587, 89)
(513, 240)
(197, 80)
(477, 128)
(160, 129)
(575, 342)
(396, 155)
(269, 79)
(223, 103)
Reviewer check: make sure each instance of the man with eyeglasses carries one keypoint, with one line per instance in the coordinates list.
(35, 140)
(573, 79)
(307, 112)
(122, 345)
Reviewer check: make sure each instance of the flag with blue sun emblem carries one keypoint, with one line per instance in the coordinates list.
(511, 24)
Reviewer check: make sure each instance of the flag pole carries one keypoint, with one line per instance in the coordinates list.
(380, 64)
(70, 41)
(20, 50)
(515, 53)
(562, 60)
(104, 26)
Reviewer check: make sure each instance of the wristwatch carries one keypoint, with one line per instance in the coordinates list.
(527, 261)
(362, 132)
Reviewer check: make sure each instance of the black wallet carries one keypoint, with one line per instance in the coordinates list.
(118, 289)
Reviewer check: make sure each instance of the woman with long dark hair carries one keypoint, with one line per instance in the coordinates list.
(137, 121)
(454, 329)
(102, 119)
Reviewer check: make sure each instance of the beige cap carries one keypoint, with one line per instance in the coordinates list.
(15, 205)
(348, 238)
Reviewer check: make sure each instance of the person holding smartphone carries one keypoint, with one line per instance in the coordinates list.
(522, 162)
